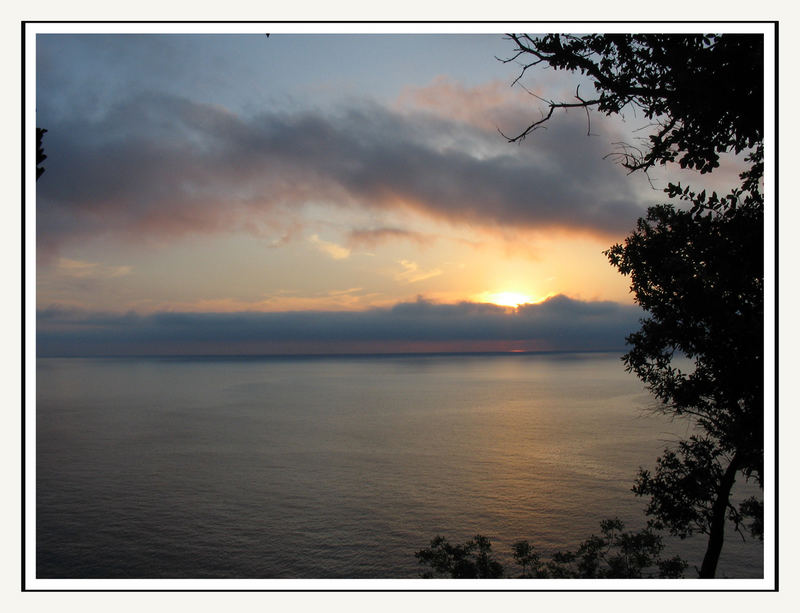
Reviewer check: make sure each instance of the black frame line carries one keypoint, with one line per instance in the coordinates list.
(22, 292)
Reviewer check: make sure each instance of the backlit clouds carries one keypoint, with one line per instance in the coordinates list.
(362, 237)
(337, 252)
(490, 106)
(412, 273)
(558, 323)
(160, 166)
(281, 300)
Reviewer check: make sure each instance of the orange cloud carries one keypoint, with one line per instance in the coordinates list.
(412, 274)
(337, 252)
(93, 270)
(488, 106)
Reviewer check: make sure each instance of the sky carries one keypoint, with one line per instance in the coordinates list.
(221, 194)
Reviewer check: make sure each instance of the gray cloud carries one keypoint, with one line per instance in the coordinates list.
(163, 166)
(370, 237)
(559, 323)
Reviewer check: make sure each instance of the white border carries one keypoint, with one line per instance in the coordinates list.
(32, 583)
(30, 305)
(300, 27)
(770, 285)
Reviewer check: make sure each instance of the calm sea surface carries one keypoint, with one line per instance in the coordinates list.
(335, 467)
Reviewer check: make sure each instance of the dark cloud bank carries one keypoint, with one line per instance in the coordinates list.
(559, 323)
(163, 166)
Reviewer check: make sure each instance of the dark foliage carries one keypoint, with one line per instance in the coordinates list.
(615, 554)
(40, 156)
(751, 509)
(699, 274)
(528, 559)
(683, 487)
(472, 560)
(703, 93)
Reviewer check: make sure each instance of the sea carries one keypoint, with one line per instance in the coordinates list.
(339, 466)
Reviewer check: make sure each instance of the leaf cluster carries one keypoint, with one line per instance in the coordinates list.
(471, 560)
(684, 491)
(683, 487)
(616, 554)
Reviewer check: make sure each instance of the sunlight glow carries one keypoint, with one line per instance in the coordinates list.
(512, 299)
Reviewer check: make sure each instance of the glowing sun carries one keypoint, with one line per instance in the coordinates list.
(511, 299)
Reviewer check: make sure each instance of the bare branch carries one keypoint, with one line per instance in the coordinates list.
(586, 108)
(553, 106)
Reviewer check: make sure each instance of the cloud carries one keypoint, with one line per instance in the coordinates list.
(337, 299)
(559, 323)
(374, 236)
(337, 252)
(490, 106)
(412, 274)
(90, 270)
(160, 167)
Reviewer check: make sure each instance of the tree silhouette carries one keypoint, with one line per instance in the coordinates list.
(703, 93)
(699, 276)
(472, 560)
(528, 559)
(696, 271)
(614, 554)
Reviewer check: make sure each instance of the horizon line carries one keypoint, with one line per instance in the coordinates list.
(329, 355)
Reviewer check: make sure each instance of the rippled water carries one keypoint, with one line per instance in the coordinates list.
(334, 467)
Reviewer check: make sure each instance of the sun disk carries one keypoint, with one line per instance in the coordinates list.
(511, 299)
